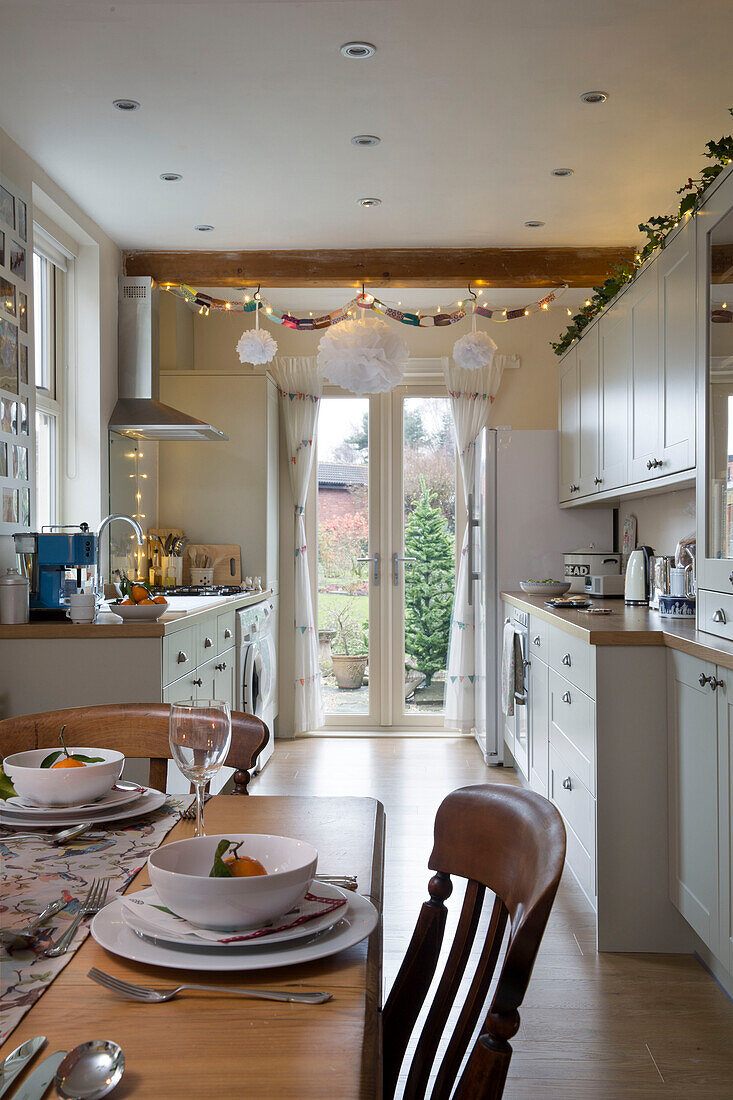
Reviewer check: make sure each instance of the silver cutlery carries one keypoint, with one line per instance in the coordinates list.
(34, 1087)
(90, 1071)
(55, 839)
(93, 902)
(190, 813)
(18, 1060)
(345, 882)
(24, 933)
(157, 996)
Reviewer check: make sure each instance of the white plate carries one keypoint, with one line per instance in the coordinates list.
(111, 933)
(127, 792)
(148, 927)
(146, 803)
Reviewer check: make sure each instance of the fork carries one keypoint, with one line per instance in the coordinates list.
(157, 996)
(93, 902)
(190, 813)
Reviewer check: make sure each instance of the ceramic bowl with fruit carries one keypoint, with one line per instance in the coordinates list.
(545, 588)
(235, 881)
(64, 776)
(137, 602)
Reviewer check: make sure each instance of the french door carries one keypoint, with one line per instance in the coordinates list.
(386, 531)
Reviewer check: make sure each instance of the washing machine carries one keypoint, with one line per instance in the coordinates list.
(257, 667)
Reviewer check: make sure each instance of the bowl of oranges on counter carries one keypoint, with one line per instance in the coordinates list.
(63, 776)
(138, 602)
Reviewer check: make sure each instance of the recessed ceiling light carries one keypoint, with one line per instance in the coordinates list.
(533, 224)
(171, 177)
(203, 228)
(562, 171)
(365, 139)
(369, 202)
(358, 51)
(126, 104)
(594, 97)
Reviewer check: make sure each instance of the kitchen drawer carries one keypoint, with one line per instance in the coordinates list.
(179, 654)
(578, 809)
(206, 639)
(539, 639)
(184, 688)
(573, 727)
(710, 605)
(573, 659)
(225, 624)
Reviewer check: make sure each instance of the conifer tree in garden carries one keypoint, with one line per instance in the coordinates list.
(429, 586)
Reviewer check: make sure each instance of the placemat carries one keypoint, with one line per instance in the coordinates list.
(35, 874)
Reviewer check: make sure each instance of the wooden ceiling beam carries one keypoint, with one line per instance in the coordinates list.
(375, 267)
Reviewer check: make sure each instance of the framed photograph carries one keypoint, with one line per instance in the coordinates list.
(23, 311)
(17, 260)
(20, 462)
(3, 458)
(23, 426)
(2, 249)
(7, 296)
(8, 356)
(10, 502)
(7, 207)
(7, 414)
(23, 364)
(25, 507)
(22, 220)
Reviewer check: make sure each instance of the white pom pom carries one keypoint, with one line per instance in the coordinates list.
(362, 356)
(474, 350)
(256, 346)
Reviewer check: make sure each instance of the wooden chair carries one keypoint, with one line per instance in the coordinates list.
(511, 842)
(137, 729)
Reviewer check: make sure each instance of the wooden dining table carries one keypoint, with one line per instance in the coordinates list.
(212, 1045)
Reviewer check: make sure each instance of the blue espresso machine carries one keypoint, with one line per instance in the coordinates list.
(57, 563)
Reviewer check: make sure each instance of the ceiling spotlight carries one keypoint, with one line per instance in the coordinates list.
(533, 224)
(365, 139)
(562, 172)
(358, 51)
(171, 177)
(594, 97)
(126, 104)
(203, 228)
(369, 202)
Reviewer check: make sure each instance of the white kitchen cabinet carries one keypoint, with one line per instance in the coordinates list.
(644, 428)
(569, 427)
(614, 336)
(725, 801)
(676, 267)
(589, 478)
(224, 677)
(693, 794)
(539, 723)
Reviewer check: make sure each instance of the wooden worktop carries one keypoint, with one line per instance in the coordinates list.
(166, 624)
(629, 626)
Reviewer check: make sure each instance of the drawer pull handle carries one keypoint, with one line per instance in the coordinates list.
(574, 488)
(714, 684)
(221, 667)
(566, 697)
(182, 657)
(198, 682)
(208, 643)
(654, 464)
(567, 784)
(566, 660)
(227, 633)
(536, 640)
(597, 480)
(719, 616)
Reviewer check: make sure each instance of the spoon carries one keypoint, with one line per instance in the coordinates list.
(90, 1070)
(29, 930)
(57, 838)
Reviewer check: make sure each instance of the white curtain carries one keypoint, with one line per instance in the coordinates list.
(300, 393)
(472, 393)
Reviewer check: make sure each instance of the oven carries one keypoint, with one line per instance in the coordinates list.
(516, 726)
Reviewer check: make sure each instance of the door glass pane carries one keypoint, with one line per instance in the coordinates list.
(429, 510)
(720, 459)
(343, 538)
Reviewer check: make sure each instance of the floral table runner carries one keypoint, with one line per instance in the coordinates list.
(35, 874)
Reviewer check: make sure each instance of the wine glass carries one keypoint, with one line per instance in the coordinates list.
(200, 732)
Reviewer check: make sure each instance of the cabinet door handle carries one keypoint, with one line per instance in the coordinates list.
(221, 667)
(182, 657)
(536, 640)
(197, 682)
(567, 784)
(208, 643)
(574, 488)
(566, 697)
(719, 616)
(703, 680)
(597, 480)
(227, 633)
(717, 684)
(567, 660)
(654, 464)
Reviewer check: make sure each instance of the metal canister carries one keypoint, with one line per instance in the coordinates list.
(14, 598)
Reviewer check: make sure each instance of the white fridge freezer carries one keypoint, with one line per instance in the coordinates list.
(519, 532)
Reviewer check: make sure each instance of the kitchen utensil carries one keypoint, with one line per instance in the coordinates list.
(562, 604)
(637, 587)
(63, 787)
(90, 1071)
(24, 933)
(112, 933)
(14, 597)
(120, 795)
(226, 561)
(189, 814)
(588, 561)
(686, 551)
(151, 800)
(34, 1087)
(82, 607)
(662, 566)
(18, 1060)
(544, 588)
(93, 902)
(156, 996)
(202, 576)
(56, 839)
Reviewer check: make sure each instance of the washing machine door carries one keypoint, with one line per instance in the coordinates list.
(258, 680)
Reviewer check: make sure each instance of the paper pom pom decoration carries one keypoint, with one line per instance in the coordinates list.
(256, 346)
(362, 356)
(474, 350)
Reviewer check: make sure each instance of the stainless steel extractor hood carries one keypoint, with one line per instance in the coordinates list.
(138, 412)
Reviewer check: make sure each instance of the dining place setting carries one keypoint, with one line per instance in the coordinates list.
(166, 898)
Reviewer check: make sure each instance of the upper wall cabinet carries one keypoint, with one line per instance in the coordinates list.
(614, 340)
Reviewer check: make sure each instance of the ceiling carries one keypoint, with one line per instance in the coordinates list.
(475, 102)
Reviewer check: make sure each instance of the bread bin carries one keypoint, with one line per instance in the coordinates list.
(588, 562)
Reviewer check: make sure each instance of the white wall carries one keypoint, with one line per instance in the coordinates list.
(661, 520)
(84, 474)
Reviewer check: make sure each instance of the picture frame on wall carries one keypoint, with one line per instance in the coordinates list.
(24, 507)
(23, 311)
(7, 414)
(17, 260)
(19, 464)
(7, 206)
(3, 459)
(2, 249)
(8, 356)
(7, 296)
(22, 220)
(10, 505)
(23, 364)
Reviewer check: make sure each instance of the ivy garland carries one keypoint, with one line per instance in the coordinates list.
(656, 230)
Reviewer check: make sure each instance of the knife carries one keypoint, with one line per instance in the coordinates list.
(18, 1060)
(34, 1087)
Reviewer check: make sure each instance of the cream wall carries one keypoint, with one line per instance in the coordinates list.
(661, 520)
(84, 487)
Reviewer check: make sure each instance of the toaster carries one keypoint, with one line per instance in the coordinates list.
(603, 587)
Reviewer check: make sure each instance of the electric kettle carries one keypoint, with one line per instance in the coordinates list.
(638, 576)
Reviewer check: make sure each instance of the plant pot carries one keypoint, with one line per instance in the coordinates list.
(349, 670)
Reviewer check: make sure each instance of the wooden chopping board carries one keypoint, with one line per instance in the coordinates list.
(226, 560)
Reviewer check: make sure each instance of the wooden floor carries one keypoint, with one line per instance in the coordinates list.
(605, 1026)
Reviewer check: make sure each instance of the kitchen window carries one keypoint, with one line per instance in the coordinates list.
(51, 273)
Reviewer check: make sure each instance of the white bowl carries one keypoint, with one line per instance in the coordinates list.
(145, 611)
(544, 588)
(180, 874)
(63, 786)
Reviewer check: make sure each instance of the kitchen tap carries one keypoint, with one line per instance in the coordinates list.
(104, 524)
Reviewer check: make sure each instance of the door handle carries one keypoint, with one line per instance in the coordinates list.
(472, 574)
(567, 784)
(221, 667)
(396, 559)
(197, 682)
(374, 559)
(719, 616)
(567, 660)
(566, 697)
